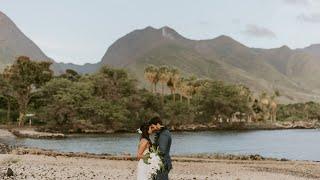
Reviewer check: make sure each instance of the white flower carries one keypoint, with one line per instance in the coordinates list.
(154, 163)
(139, 131)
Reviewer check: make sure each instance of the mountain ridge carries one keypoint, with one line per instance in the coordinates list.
(292, 71)
(14, 43)
(262, 69)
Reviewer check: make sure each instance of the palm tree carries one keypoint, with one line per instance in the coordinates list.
(172, 83)
(179, 86)
(164, 77)
(152, 75)
(199, 85)
(190, 88)
(186, 88)
(273, 105)
(245, 92)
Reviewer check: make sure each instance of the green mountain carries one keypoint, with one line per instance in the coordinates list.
(293, 72)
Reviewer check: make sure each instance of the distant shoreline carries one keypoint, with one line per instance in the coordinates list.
(41, 132)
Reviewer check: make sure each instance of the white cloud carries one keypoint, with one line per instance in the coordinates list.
(260, 32)
(311, 18)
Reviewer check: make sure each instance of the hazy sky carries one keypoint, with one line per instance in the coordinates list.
(80, 31)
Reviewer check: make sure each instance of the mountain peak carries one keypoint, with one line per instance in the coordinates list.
(167, 28)
(165, 31)
(149, 28)
(285, 47)
(169, 33)
(225, 39)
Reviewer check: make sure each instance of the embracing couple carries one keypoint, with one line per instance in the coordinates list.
(154, 158)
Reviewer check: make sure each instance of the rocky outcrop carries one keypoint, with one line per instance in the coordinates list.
(203, 157)
(299, 124)
(30, 133)
(194, 127)
(38, 151)
(312, 124)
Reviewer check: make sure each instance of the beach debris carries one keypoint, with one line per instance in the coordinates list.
(9, 172)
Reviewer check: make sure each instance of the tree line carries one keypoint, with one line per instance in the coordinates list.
(111, 100)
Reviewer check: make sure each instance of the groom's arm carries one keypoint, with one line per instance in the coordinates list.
(164, 141)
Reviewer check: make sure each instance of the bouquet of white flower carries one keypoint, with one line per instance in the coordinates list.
(154, 161)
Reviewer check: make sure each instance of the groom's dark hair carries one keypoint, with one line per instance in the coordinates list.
(155, 120)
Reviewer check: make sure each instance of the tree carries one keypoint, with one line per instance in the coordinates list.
(174, 75)
(188, 88)
(5, 91)
(151, 73)
(64, 102)
(112, 83)
(113, 91)
(164, 77)
(253, 105)
(71, 74)
(220, 100)
(179, 86)
(25, 77)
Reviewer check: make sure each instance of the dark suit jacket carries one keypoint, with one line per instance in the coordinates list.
(163, 141)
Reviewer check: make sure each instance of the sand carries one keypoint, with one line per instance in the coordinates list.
(46, 167)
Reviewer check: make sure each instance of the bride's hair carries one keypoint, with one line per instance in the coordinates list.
(144, 129)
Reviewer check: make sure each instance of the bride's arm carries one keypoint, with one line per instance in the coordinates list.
(142, 147)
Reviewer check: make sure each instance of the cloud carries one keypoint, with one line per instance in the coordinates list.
(311, 18)
(204, 23)
(297, 2)
(259, 32)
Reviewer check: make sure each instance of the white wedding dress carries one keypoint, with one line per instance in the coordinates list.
(142, 169)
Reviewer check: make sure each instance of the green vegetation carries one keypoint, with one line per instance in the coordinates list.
(299, 111)
(110, 100)
(21, 79)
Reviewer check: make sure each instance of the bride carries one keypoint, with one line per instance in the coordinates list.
(143, 148)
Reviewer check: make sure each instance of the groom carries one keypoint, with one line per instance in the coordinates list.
(163, 141)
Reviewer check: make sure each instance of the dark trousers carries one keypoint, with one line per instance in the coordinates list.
(163, 175)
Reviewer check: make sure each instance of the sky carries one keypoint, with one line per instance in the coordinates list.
(80, 31)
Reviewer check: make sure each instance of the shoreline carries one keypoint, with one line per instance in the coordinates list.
(35, 163)
(7, 148)
(33, 132)
(8, 136)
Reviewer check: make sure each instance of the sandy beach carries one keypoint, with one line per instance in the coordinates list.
(41, 164)
(46, 167)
